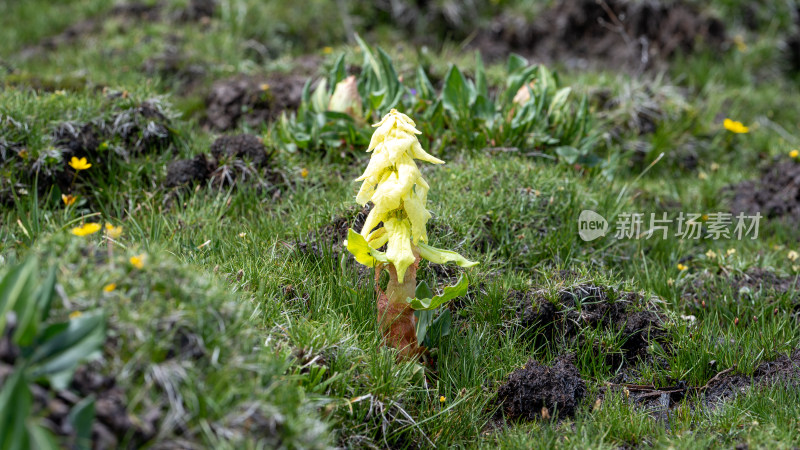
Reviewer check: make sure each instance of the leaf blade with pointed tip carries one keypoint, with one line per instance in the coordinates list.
(449, 293)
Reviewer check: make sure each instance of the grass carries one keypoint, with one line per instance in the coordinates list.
(236, 337)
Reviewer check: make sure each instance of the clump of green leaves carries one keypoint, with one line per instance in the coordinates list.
(532, 113)
(48, 352)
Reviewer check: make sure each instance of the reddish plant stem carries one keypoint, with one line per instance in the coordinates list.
(395, 316)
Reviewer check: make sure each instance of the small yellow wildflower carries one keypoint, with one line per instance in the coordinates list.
(682, 267)
(110, 287)
(702, 175)
(61, 92)
(86, 229)
(112, 231)
(711, 254)
(735, 126)
(75, 314)
(793, 255)
(714, 167)
(796, 268)
(327, 50)
(738, 40)
(137, 261)
(68, 199)
(24, 153)
(670, 282)
(704, 218)
(730, 251)
(304, 172)
(79, 164)
(794, 154)
(442, 399)
(242, 234)
(264, 86)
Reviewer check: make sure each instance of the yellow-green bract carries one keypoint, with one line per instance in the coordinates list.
(399, 193)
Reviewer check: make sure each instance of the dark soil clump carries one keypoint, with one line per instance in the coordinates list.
(175, 68)
(243, 146)
(251, 100)
(333, 234)
(587, 306)
(785, 369)
(198, 10)
(616, 33)
(234, 159)
(538, 391)
(775, 195)
(708, 288)
(188, 171)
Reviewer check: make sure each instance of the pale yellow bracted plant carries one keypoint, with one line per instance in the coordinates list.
(399, 193)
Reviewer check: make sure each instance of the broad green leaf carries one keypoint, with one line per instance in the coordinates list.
(568, 153)
(364, 254)
(305, 98)
(339, 71)
(319, 101)
(483, 108)
(423, 290)
(81, 417)
(41, 437)
(481, 86)
(45, 294)
(515, 81)
(440, 256)
(455, 95)
(369, 58)
(390, 79)
(34, 309)
(438, 328)
(424, 319)
(425, 88)
(515, 63)
(449, 293)
(15, 285)
(559, 100)
(66, 346)
(15, 406)
(376, 98)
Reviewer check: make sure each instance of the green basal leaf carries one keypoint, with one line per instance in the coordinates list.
(364, 254)
(67, 345)
(438, 328)
(41, 437)
(440, 256)
(424, 319)
(81, 417)
(425, 88)
(15, 285)
(449, 293)
(455, 95)
(481, 85)
(423, 290)
(339, 71)
(15, 406)
(319, 100)
(515, 63)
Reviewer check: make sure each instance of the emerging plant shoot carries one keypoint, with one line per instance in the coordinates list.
(399, 193)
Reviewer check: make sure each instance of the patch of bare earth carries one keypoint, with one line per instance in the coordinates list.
(612, 33)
